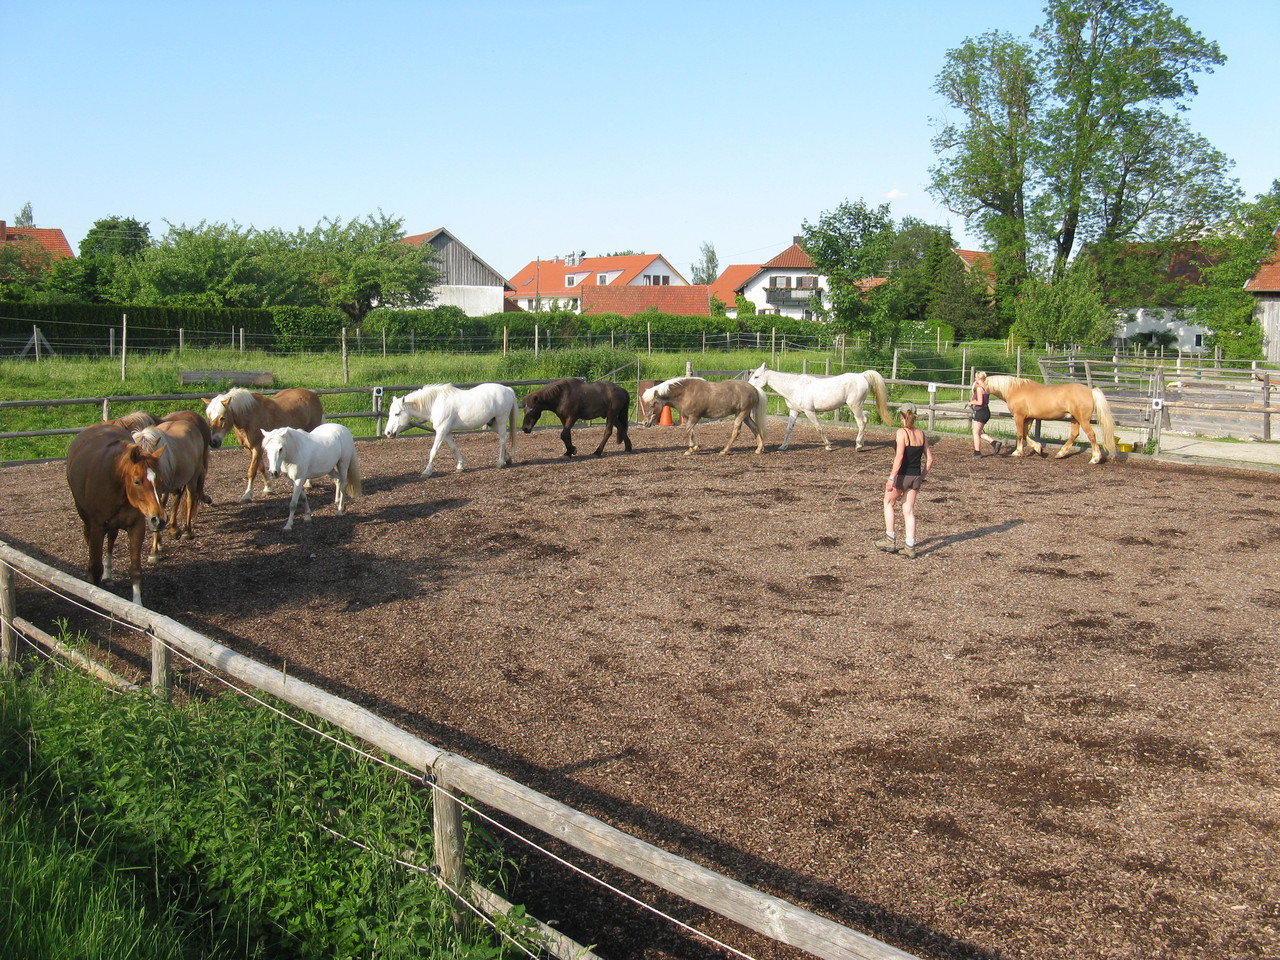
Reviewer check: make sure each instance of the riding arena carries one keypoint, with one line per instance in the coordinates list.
(1051, 735)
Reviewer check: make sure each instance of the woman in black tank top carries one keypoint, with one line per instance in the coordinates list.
(912, 461)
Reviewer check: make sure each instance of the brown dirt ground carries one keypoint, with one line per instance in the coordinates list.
(1052, 735)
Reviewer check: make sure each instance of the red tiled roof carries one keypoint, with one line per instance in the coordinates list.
(693, 300)
(49, 238)
(1267, 278)
(976, 260)
(549, 278)
(793, 258)
(731, 280)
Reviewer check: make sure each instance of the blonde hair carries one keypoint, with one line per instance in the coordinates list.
(980, 375)
(908, 418)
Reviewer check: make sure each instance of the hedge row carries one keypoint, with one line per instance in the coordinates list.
(86, 328)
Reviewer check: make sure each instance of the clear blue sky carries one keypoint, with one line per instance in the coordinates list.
(525, 129)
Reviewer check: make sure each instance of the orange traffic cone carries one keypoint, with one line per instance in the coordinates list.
(664, 420)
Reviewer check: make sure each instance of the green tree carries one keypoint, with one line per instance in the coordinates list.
(1070, 311)
(24, 265)
(851, 245)
(1113, 164)
(25, 217)
(707, 268)
(957, 298)
(362, 264)
(1233, 253)
(1070, 142)
(89, 278)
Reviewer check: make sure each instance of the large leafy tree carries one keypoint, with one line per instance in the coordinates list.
(362, 264)
(851, 245)
(1232, 255)
(1075, 138)
(1070, 311)
(89, 278)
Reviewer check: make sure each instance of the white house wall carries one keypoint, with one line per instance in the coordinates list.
(1145, 320)
(473, 301)
(754, 290)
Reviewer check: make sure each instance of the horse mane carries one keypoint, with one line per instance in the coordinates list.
(426, 393)
(149, 439)
(998, 383)
(238, 400)
(664, 389)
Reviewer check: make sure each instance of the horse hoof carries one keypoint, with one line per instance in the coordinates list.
(246, 498)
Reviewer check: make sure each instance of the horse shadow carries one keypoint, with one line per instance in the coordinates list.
(937, 543)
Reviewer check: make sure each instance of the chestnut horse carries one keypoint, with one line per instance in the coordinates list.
(572, 400)
(698, 399)
(1031, 400)
(184, 463)
(113, 484)
(251, 414)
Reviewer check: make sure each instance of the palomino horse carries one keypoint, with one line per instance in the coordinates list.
(699, 399)
(326, 451)
(1031, 400)
(113, 484)
(184, 463)
(449, 408)
(812, 395)
(251, 415)
(572, 400)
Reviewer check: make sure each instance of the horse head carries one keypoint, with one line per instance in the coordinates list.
(541, 399)
(397, 418)
(652, 404)
(141, 470)
(273, 444)
(216, 412)
(759, 376)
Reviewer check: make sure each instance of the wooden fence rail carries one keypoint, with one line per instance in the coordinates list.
(763, 913)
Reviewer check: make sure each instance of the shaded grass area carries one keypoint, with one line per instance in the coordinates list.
(131, 827)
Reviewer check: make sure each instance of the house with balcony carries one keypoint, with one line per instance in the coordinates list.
(561, 282)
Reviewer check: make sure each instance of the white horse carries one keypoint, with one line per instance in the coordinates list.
(326, 451)
(810, 395)
(449, 409)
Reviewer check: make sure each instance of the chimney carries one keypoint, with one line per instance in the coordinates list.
(798, 241)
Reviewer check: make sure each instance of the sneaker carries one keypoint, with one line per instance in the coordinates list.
(888, 543)
(909, 551)
(976, 453)
(996, 445)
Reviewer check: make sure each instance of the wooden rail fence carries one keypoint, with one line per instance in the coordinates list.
(452, 775)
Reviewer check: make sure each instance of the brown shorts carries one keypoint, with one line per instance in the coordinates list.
(905, 481)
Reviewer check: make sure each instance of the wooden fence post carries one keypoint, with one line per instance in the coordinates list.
(161, 675)
(894, 374)
(450, 845)
(8, 610)
(1266, 406)
(346, 369)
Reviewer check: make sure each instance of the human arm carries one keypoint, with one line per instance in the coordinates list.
(899, 451)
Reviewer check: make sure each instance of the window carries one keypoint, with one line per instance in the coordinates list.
(648, 280)
(1199, 339)
(602, 279)
(570, 281)
(782, 282)
(806, 283)
(666, 280)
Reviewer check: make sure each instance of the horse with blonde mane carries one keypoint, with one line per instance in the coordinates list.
(251, 415)
(184, 464)
(698, 399)
(812, 395)
(1031, 400)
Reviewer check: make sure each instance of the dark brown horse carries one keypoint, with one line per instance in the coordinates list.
(699, 399)
(251, 414)
(184, 463)
(113, 483)
(572, 400)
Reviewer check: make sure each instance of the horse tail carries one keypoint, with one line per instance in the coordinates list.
(355, 484)
(1106, 421)
(762, 413)
(878, 387)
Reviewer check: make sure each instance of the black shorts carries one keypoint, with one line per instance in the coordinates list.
(982, 414)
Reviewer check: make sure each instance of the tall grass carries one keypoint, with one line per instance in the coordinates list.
(131, 827)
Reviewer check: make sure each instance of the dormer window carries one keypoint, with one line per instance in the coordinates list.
(602, 279)
(570, 281)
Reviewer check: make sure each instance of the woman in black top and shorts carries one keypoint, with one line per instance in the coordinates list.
(912, 461)
(980, 401)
